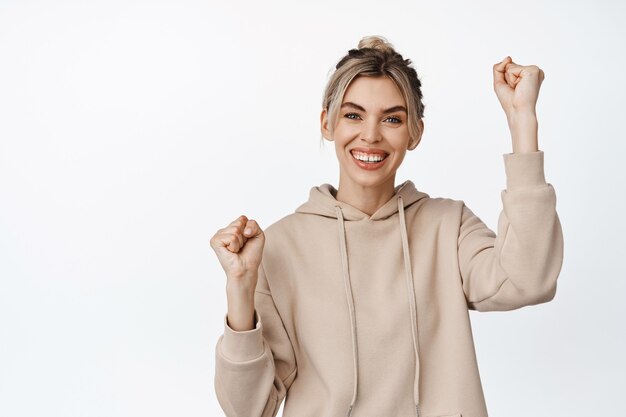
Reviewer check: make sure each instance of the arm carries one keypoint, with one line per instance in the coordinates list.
(255, 368)
(519, 266)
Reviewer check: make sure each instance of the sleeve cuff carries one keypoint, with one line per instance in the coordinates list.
(241, 346)
(524, 170)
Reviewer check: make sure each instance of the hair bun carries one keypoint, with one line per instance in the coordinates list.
(376, 42)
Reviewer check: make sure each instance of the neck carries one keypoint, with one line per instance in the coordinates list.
(366, 198)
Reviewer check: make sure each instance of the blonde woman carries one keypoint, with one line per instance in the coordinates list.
(356, 304)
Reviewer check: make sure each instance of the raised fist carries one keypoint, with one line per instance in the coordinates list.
(239, 248)
(517, 86)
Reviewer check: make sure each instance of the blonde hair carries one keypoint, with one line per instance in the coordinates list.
(375, 57)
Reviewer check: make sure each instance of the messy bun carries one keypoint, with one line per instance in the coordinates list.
(376, 42)
(375, 57)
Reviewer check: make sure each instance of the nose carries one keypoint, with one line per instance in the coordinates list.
(371, 131)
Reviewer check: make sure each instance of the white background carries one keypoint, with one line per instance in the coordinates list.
(131, 131)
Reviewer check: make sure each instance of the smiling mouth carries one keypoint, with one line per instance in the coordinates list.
(368, 158)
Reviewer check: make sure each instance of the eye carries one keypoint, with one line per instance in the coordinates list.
(397, 120)
(351, 114)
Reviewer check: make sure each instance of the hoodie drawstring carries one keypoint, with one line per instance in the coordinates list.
(412, 303)
(350, 301)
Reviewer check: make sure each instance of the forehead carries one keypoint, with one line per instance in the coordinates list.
(374, 92)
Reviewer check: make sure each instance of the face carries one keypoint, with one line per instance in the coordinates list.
(372, 124)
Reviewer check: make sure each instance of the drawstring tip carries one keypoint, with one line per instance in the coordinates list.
(349, 411)
(417, 410)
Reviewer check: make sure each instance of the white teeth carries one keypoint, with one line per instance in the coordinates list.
(367, 158)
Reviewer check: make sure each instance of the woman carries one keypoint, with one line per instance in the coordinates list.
(357, 303)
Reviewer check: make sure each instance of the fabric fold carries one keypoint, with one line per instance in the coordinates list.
(243, 345)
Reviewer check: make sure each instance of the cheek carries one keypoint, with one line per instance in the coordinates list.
(345, 130)
(400, 138)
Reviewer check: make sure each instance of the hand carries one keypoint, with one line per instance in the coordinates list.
(240, 252)
(517, 86)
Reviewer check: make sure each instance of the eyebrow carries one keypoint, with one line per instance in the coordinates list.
(389, 110)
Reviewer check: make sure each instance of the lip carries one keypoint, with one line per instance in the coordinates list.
(372, 151)
(366, 165)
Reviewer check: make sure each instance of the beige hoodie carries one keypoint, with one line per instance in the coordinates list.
(367, 316)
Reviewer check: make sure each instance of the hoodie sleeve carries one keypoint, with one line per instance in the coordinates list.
(519, 266)
(255, 368)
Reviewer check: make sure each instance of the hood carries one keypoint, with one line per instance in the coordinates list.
(322, 202)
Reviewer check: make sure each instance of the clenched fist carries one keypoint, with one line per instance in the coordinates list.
(517, 86)
(239, 248)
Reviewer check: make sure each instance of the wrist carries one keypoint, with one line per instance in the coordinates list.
(240, 305)
(239, 290)
(241, 281)
(521, 118)
(524, 131)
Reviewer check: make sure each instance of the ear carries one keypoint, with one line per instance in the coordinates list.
(414, 142)
(324, 125)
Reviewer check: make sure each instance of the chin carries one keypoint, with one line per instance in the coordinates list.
(370, 179)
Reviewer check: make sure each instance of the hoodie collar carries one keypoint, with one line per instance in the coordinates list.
(322, 201)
